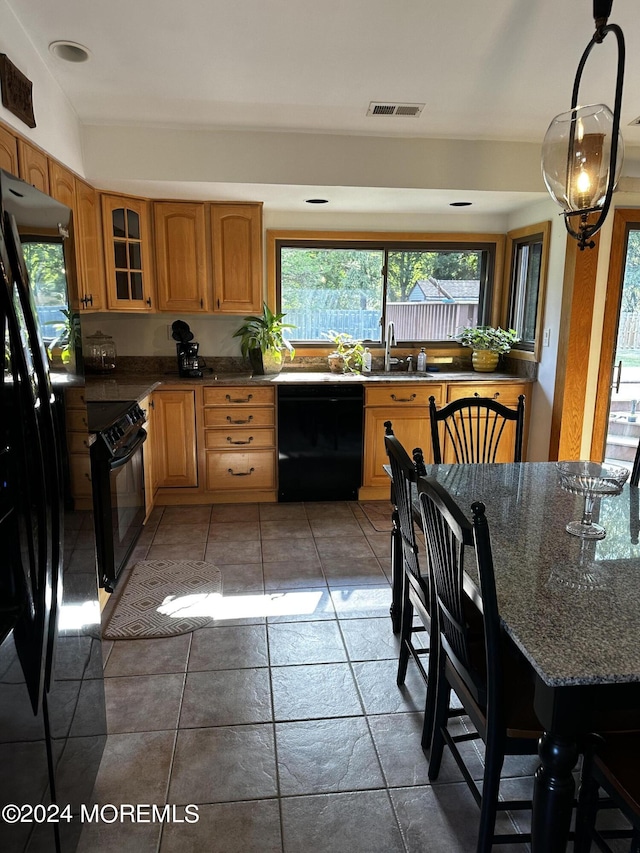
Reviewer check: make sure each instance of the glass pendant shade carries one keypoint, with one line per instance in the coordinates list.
(576, 158)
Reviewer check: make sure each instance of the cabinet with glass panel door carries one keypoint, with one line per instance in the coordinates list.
(127, 247)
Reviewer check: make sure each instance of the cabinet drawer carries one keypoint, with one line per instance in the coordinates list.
(241, 396)
(77, 420)
(503, 392)
(231, 416)
(403, 394)
(75, 398)
(236, 469)
(230, 439)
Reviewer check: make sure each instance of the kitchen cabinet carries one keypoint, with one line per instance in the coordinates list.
(80, 484)
(33, 166)
(8, 151)
(174, 446)
(406, 405)
(127, 253)
(503, 392)
(148, 406)
(236, 241)
(183, 279)
(62, 184)
(240, 444)
(89, 251)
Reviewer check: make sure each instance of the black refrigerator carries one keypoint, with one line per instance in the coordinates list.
(52, 709)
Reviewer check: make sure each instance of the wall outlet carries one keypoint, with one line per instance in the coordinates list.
(169, 332)
(546, 338)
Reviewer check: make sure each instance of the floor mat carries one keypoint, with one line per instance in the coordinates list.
(164, 598)
(379, 514)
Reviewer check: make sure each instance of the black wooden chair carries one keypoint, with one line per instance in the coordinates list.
(613, 765)
(416, 590)
(635, 471)
(474, 428)
(475, 659)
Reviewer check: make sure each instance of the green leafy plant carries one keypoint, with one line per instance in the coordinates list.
(487, 338)
(347, 348)
(265, 333)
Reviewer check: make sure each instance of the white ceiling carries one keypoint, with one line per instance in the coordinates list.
(499, 69)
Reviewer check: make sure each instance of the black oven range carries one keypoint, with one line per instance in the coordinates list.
(118, 483)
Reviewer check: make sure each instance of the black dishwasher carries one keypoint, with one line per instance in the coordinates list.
(319, 442)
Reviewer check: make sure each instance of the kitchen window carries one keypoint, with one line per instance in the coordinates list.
(527, 250)
(428, 289)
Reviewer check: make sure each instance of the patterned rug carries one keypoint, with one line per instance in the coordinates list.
(164, 598)
(379, 514)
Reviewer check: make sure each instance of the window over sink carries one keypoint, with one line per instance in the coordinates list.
(429, 288)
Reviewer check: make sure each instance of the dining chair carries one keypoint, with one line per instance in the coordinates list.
(475, 428)
(416, 590)
(635, 471)
(611, 765)
(475, 659)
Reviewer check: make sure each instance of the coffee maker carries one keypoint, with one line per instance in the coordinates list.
(188, 361)
(189, 365)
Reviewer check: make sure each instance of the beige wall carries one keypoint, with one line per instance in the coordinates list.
(57, 128)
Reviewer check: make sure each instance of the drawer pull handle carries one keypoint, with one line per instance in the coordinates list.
(247, 399)
(247, 421)
(231, 441)
(495, 396)
(240, 473)
(403, 399)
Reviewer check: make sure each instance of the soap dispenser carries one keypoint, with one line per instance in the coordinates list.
(366, 361)
(422, 361)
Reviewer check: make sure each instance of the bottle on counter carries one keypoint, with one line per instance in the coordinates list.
(366, 361)
(422, 361)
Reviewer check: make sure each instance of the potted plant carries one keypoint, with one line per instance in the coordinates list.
(488, 344)
(262, 341)
(348, 355)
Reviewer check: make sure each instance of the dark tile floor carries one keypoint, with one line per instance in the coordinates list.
(282, 723)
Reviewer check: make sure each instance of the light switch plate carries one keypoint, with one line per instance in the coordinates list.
(546, 338)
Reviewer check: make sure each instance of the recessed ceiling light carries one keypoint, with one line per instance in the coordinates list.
(460, 203)
(317, 200)
(70, 51)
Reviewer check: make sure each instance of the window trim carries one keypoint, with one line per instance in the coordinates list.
(513, 239)
(494, 243)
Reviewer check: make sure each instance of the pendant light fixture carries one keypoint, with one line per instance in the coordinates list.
(583, 148)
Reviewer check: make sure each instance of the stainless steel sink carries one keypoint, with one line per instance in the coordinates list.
(397, 376)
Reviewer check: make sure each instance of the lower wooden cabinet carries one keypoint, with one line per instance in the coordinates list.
(239, 440)
(174, 439)
(150, 485)
(213, 444)
(78, 449)
(406, 406)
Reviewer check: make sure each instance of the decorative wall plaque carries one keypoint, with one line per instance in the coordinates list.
(16, 91)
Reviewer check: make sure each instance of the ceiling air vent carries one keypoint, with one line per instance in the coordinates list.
(379, 108)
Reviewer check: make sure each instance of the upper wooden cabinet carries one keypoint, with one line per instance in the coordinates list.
(236, 239)
(33, 166)
(183, 279)
(89, 252)
(62, 184)
(127, 253)
(8, 151)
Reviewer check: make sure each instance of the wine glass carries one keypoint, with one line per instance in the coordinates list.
(591, 480)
